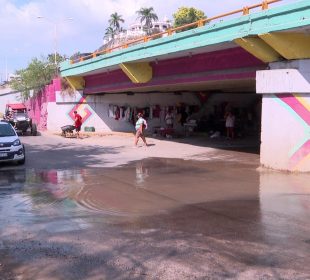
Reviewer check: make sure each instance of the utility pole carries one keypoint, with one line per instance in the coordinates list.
(55, 23)
(6, 69)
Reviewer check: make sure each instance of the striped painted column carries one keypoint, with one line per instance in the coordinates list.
(285, 137)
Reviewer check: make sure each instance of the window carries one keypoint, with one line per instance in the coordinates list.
(6, 130)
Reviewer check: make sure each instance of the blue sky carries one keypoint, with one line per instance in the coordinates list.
(24, 36)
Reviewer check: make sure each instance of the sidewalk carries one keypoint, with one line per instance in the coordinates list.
(115, 149)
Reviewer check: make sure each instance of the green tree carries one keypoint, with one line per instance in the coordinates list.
(36, 75)
(51, 59)
(186, 15)
(115, 21)
(76, 55)
(147, 16)
(110, 32)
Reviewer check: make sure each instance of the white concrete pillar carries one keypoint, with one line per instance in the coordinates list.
(285, 134)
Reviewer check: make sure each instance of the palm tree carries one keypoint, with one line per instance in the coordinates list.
(110, 32)
(147, 15)
(115, 20)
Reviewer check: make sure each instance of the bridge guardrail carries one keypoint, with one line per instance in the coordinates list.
(245, 11)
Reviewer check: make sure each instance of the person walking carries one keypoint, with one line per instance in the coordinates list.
(141, 125)
(77, 123)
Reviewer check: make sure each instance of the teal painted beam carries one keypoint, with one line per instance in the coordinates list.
(284, 17)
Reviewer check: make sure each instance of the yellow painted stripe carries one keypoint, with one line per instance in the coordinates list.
(129, 74)
(76, 82)
(303, 101)
(291, 45)
(140, 72)
(258, 48)
(299, 164)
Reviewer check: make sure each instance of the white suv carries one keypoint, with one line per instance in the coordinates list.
(11, 149)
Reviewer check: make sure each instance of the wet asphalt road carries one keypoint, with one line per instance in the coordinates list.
(152, 219)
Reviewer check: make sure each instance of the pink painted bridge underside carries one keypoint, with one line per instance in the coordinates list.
(227, 64)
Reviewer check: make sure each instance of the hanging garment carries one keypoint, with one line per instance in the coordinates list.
(117, 113)
(111, 111)
(121, 111)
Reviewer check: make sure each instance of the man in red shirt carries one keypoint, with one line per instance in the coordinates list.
(77, 123)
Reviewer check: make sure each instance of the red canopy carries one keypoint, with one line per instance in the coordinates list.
(17, 106)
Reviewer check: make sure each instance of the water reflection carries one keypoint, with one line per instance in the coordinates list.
(30, 198)
(9, 179)
(285, 204)
(141, 174)
(269, 200)
(227, 215)
(52, 186)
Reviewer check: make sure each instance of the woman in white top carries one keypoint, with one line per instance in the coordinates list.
(141, 125)
(169, 119)
(230, 124)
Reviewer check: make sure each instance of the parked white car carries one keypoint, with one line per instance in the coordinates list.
(11, 149)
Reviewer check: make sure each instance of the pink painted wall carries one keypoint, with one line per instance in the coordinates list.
(38, 104)
(227, 64)
(212, 61)
(285, 138)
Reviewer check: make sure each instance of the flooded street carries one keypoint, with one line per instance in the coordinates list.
(154, 218)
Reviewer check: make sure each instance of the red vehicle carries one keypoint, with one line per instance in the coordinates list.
(17, 115)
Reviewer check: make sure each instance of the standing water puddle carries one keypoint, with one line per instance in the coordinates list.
(133, 215)
(151, 187)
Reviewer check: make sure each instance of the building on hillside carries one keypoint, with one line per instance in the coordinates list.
(161, 26)
(136, 30)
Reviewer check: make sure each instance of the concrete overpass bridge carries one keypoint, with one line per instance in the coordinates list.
(264, 51)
